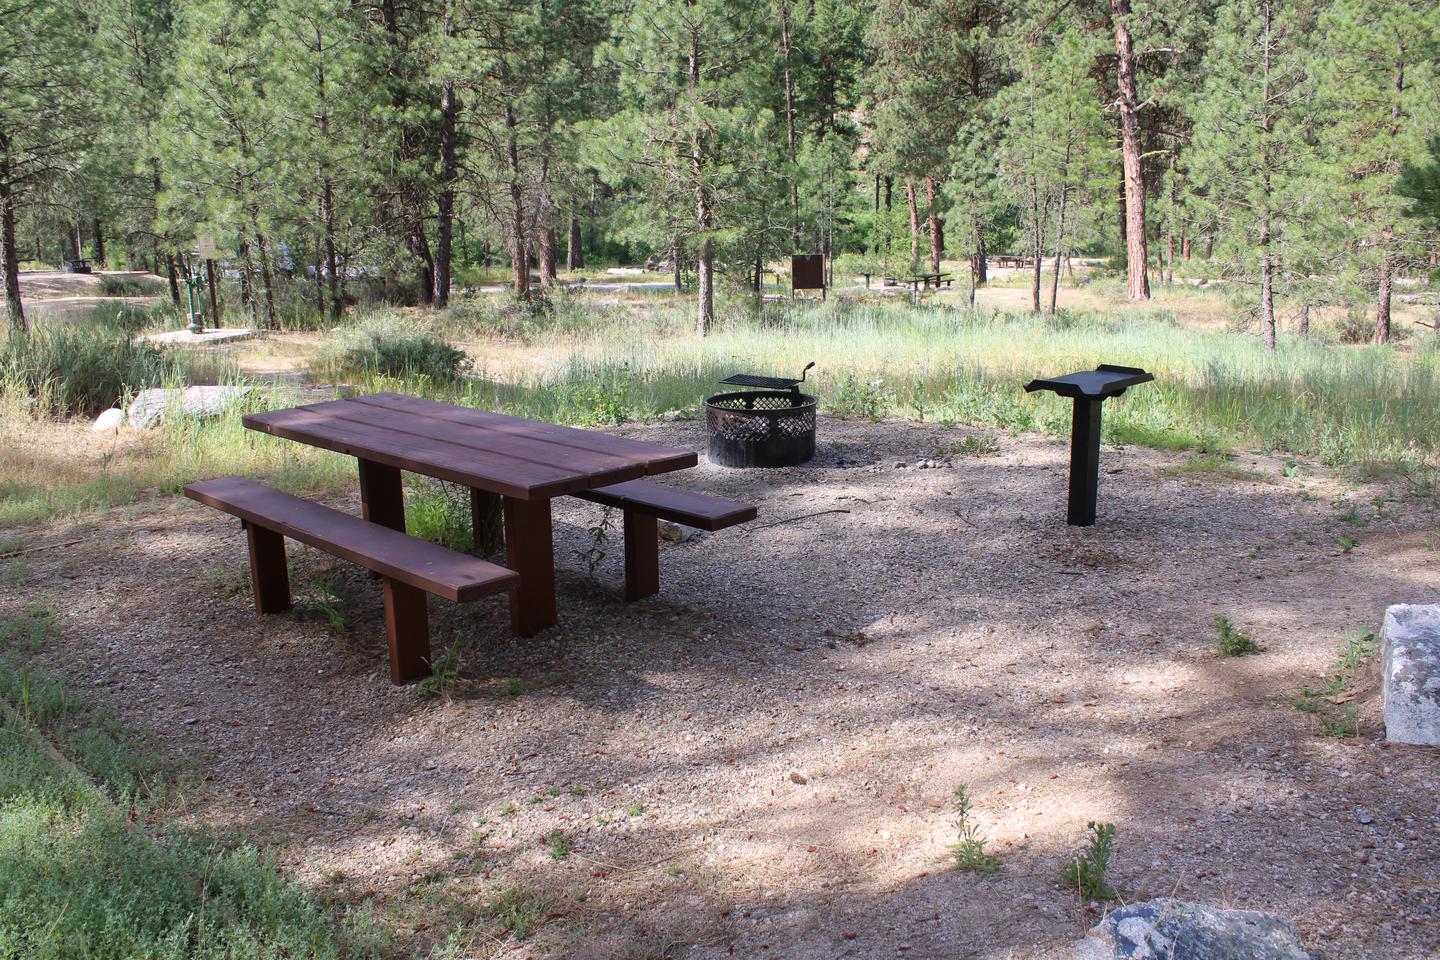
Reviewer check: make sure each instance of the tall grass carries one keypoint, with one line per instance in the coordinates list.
(1213, 389)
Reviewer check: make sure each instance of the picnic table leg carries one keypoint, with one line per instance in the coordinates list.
(642, 555)
(269, 577)
(530, 552)
(407, 628)
(382, 498)
(486, 521)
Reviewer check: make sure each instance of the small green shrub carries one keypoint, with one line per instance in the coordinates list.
(969, 847)
(389, 346)
(860, 399)
(1085, 873)
(1230, 642)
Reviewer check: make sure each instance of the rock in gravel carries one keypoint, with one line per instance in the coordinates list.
(112, 419)
(150, 407)
(1169, 929)
(1410, 673)
(676, 532)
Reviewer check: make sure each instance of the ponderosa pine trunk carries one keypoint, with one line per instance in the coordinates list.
(519, 265)
(1136, 255)
(785, 47)
(1267, 286)
(247, 277)
(936, 242)
(445, 201)
(1037, 254)
(574, 252)
(9, 254)
(914, 222)
(1059, 247)
(99, 242)
(1382, 294)
(982, 257)
(704, 216)
(549, 255)
(267, 274)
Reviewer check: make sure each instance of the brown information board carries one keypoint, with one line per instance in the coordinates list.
(807, 272)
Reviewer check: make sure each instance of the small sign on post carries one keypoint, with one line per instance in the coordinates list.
(205, 246)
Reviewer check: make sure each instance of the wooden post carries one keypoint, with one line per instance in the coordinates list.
(530, 552)
(407, 628)
(269, 577)
(214, 300)
(382, 498)
(642, 555)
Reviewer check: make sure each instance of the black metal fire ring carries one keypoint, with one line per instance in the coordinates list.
(761, 428)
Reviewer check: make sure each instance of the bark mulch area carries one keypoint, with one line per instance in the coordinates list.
(760, 761)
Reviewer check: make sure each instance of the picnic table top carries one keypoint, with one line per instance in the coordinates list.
(510, 456)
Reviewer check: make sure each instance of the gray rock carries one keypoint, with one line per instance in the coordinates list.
(1410, 673)
(150, 407)
(112, 419)
(1169, 929)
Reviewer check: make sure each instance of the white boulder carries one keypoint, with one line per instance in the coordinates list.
(112, 419)
(1410, 673)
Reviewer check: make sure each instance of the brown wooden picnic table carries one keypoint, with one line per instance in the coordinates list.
(525, 462)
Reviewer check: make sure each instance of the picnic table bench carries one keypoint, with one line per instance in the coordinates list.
(521, 463)
(1010, 260)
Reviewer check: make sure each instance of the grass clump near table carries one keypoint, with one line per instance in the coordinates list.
(1230, 642)
(64, 370)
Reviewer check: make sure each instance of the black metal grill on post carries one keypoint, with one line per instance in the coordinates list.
(773, 426)
(1089, 389)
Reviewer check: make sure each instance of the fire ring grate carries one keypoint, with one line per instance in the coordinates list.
(761, 428)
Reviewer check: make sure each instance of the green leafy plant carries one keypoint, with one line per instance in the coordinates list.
(440, 512)
(1086, 872)
(388, 345)
(969, 846)
(1330, 702)
(327, 603)
(857, 398)
(596, 552)
(1346, 543)
(1230, 642)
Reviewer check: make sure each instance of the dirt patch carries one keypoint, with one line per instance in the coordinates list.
(743, 774)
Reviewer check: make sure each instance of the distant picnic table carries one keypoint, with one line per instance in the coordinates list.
(1010, 260)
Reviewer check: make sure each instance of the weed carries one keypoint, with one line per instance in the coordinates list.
(513, 688)
(444, 672)
(634, 809)
(516, 910)
(857, 399)
(440, 512)
(1350, 515)
(508, 810)
(595, 553)
(559, 844)
(969, 846)
(979, 445)
(1086, 872)
(327, 603)
(1230, 642)
(1346, 543)
(227, 580)
(1330, 702)
(388, 345)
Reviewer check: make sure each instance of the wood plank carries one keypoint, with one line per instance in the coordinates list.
(671, 503)
(382, 495)
(602, 468)
(418, 563)
(655, 457)
(435, 458)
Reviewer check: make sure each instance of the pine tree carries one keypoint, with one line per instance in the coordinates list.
(1249, 162)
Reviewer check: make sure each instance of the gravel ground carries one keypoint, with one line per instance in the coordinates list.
(759, 761)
